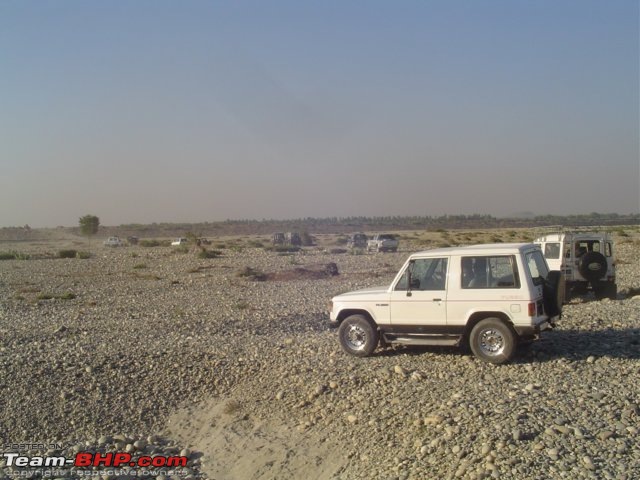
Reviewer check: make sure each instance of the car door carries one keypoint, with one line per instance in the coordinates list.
(419, 297)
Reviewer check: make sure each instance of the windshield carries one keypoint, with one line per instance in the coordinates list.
(537, 266)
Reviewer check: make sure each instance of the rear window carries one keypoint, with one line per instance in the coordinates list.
(552, 250)
(537, 267)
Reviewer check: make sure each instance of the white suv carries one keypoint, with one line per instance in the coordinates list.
(489, 297)
(585, 259)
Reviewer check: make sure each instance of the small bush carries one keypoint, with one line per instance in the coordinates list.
(14, 256)
(338, 250)
(62, 296)
(204, 253)
(83, 255)
(342, 240)
(232, 407)
(283, 248)
(242, 305)
(67, 253)
(139, 266)
(154, 243)
(252, 274)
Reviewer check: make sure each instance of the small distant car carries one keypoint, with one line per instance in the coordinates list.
(278, 238)
(179, 241)
(383, 242)
(113, 242)
(357, 240)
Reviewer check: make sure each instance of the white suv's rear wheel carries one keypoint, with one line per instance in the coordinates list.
(358, 336)
(492, 341)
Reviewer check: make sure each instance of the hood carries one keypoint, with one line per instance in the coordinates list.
(365, 292)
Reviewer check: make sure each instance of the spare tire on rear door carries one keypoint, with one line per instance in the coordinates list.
(593, 266)
(553, 293)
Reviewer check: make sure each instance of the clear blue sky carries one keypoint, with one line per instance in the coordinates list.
(185, 111)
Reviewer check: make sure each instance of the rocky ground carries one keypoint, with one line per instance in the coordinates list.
(152, 351)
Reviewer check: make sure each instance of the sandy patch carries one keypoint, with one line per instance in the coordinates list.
(238, 445)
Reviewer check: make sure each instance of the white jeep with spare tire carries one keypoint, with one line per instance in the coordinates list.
(585, 259)
(487, 297)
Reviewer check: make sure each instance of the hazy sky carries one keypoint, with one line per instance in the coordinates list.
(150, 111)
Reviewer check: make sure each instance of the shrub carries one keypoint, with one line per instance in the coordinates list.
(204, 253)
(338, 250)
(342, 240)
(67, 253)
(83, 255)
(252, 274)
(154, 243)
(139, 266)
(283, 248)
(62, 296)
(14, 256)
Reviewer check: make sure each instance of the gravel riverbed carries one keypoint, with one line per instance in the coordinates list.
(100, 354)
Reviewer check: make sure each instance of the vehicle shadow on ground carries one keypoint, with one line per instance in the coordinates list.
(580, 344)
(574, 345)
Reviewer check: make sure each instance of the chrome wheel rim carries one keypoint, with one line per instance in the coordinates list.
(492, 342)
(356, 337)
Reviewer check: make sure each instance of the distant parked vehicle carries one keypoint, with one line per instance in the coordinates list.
(584, 257)
(357, 240)
(132, 240)
(293, 238)
(179, 241)
(383, 242)
(278, 238)
(113, 242)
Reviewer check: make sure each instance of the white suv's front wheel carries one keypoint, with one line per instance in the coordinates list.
(492, 341)
(358, 336)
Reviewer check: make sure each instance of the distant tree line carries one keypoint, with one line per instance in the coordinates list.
(363, 223)
(89, 225)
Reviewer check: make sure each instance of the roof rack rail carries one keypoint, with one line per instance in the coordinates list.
(558, 229)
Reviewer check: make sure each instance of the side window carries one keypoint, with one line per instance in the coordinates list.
(426, 274)
(552, 250)
(607, 249)
(490, 272)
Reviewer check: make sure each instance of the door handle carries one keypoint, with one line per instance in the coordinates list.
(437, 299)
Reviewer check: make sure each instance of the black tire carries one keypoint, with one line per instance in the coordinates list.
(358, 336)
(493, 341)
(593, 266)
(553, 293)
